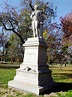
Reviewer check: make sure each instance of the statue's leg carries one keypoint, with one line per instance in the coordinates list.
(36, 26)
(41, 31)
(33, 28)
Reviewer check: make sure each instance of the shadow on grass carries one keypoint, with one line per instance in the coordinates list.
(64, 87)
(63, 75)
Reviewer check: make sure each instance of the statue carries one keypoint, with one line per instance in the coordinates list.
(37, 24)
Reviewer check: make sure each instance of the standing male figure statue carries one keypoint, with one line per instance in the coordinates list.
(37, 24)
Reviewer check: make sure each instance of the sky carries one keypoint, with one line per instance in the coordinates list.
(63, 6)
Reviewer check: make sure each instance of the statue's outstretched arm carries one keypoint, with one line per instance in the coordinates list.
(31, 6)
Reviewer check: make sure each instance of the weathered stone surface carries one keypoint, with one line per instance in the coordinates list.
(33, 75)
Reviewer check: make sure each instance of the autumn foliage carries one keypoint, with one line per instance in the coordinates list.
(66, 23)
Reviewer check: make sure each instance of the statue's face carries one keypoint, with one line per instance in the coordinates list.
(36, 7)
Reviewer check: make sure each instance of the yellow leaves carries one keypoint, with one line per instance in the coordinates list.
(45, 34)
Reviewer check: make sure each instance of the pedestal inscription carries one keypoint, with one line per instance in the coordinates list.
(33, 75)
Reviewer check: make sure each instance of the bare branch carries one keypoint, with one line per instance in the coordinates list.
(12, 29)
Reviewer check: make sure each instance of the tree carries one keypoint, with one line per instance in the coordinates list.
(66, 23)
(53, 38)
(16, 22)
(14, 50)
(3, 41)
(19, 22)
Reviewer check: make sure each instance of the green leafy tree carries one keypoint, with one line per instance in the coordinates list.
(14, 49)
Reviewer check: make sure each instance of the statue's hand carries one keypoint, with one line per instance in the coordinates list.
(33, 13)
(30, 1)
(41, 23)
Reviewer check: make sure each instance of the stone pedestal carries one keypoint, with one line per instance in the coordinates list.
(33, 75)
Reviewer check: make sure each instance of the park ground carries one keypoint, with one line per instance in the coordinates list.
(61, 75)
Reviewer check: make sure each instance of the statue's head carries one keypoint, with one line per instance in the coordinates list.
(36, 7)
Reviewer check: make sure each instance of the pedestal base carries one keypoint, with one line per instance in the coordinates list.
(33, 75)
(30, 87)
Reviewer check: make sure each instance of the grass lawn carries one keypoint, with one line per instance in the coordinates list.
(62, 75)
(5, 76)
(63, 78)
